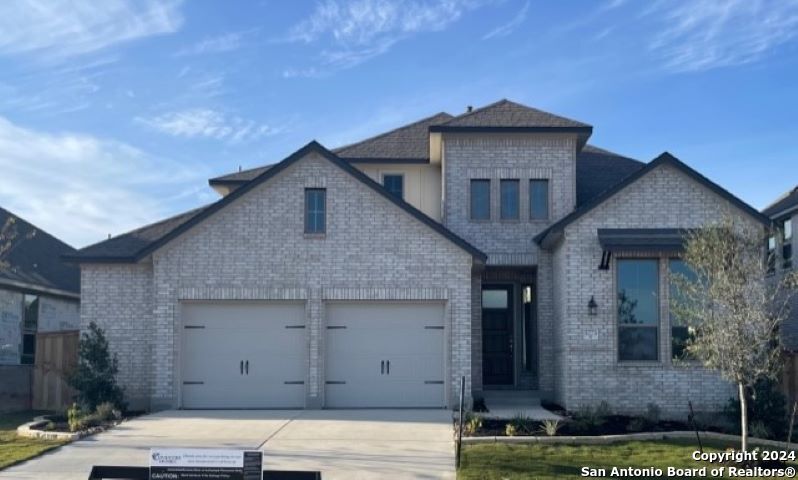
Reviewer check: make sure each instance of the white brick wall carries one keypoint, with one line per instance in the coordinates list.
(587, 367)
(256, 248)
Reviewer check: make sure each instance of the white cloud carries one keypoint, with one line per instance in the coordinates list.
(509, 27)
(358, 30)
(705, 34)
(207, 123)
(223, 43)
(58, 29)
(80, 188)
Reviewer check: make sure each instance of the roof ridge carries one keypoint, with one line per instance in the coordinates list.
(511, 102)
(385, 134)
(477, 110)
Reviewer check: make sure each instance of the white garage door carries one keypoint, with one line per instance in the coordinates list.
(385, 355)
(243, 355)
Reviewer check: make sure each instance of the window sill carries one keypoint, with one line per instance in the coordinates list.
(479, 220)
(509, 220)
(315, 236)
(638, 363)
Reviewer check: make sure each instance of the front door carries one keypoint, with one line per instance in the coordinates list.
(497, 335)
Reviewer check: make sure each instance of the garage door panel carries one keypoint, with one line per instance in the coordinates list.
(225, 334)
(385, 355)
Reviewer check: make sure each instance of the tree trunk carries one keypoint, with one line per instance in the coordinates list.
(743, 418)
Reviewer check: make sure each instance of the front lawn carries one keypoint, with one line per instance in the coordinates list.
(14, 449)
(515, 462)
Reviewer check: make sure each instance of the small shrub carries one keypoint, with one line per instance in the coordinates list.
(105, 411)
(759, 429)
(767, 405)
(550, 427)
(637, 424)
(653, 414)
(49, 426)
(94, 378)
(472, 423)
(74, 415)
(521, 425)
(588, 419)
(603, 409)
(510, 430)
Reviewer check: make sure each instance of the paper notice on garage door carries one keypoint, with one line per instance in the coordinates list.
(205, 464)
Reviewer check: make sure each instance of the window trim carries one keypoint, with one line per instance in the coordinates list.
(307, 212)
(502, 183)
(395, 174)
(657, 327)
(547, 182)
(470, 205)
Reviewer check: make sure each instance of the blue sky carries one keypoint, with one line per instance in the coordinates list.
(114, 114)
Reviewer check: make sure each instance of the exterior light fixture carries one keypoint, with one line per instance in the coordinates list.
(592, 307)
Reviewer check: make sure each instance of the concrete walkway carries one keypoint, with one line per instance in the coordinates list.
(509, 404)
(342, 444)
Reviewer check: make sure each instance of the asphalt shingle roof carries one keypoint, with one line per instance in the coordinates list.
(786, 202)
(408, 142)
(35, 258)
(506, 113)
(124, 247)
(240, 176)
(598, 170)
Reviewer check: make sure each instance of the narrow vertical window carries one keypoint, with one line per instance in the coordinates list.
(638, 309)
(786, 246)
(30, 324)
(771, 254)
(539, 199)
(480, 199)
(315, 210)
(394, 184)
(509, 196)
(680, 330)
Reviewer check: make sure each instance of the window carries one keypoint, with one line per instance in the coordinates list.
(394, 184)
(539, 199)
(509, 195)
(786, 246)
(638, 309)
(30, 324)
(771, 254)
(315, 210)
(480, 199)
(494, 299)
(680, 331)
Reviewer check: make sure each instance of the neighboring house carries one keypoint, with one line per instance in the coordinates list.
(784, 213)
(491, 245)
(39, 293)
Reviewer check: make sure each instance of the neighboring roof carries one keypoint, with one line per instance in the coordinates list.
(664, 159)
(598, 170)
(505, 114)
(136, 245)
(131, 246)
(642, 239)
(408, 143)
(785, 204)
(34, 260)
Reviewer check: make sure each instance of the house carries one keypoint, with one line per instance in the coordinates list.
(491, 245)
(39, 294)
(781, 245)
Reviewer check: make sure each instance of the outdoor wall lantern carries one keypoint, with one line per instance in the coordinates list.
(592, 307)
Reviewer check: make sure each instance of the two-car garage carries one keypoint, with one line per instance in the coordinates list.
(252, 354)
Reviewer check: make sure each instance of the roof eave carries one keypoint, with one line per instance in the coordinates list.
(495, 129)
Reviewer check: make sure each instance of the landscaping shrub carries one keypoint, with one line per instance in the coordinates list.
(510, 430)
(106, 411)
(588, 419)
(550, 427)
(520, 425)
(471, 424)
(767, 406)
(94, 378)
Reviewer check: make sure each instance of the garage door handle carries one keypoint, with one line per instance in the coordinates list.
(382, 367)
(241, 367)
(246, 367)
(388, 368)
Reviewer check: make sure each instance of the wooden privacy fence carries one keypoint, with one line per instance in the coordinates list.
(56, 353)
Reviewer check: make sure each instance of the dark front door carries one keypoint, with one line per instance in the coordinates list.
(497, 335)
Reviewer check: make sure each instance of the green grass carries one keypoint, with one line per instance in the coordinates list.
(515, 462)
(14, 449)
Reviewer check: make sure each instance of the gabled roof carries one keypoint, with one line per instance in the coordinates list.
(664, 159)
(135, 246)
(408, 143)
(506, 114)
(785, 204)
(34, 260)
(598, 170)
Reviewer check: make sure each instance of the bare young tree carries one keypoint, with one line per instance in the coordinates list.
(8, 232)
(733, 308)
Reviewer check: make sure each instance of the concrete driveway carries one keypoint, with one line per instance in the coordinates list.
(342, 444)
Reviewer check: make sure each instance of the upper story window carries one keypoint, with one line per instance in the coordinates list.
(394, 183)
(509, 199)
(539, 199)
(680, 331)
(786, 246)
(30, 324)
(638, 309)
(315, 210)
(771, 254)
(480, 200)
